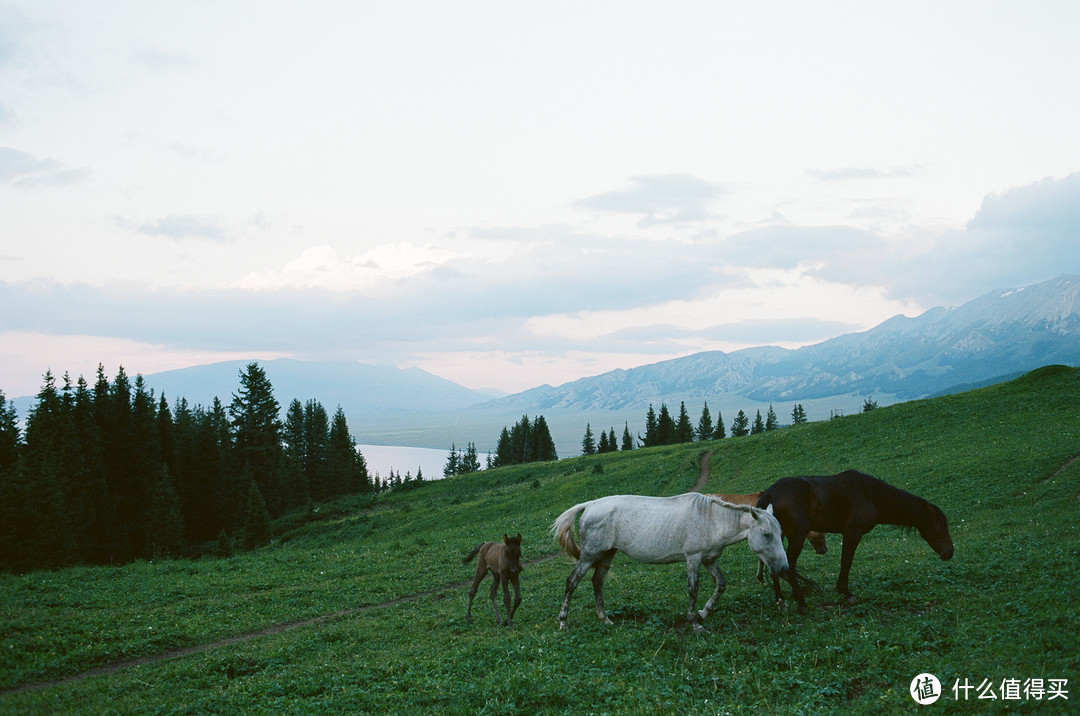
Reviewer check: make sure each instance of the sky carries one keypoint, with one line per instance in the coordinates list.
(513, 194)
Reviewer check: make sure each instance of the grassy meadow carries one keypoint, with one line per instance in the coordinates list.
(363, 603)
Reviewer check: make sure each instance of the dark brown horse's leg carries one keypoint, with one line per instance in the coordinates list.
(847, 553)
(494, 592)
(795, 545)
(600, 570)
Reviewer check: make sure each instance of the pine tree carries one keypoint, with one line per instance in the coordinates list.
(166, 524)
(798, 414)
(705, 426)
(470, 460)
(684, 431)
(503, 448)
(257, 520)
(627, 438)
(543, 449)
(666, 432)
(759, 425)
(602, 446)
(771, 422)
(721, 431)
(342, 459)
(740, 427)
(452, 466)
(256, 434)
(588, 444)
(652, 433)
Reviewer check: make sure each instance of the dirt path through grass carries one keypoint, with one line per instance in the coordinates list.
(699, 485)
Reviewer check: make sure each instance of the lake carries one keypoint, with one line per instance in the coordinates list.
(381, 458)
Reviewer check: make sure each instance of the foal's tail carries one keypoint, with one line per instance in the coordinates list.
(470, 555)
(563, 529)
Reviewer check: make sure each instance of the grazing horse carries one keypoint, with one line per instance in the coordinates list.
(503, 560)
(817, 539)
(662, 530)
(850, 503)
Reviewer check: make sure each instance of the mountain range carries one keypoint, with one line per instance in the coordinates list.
(991, 338)
(998, 335)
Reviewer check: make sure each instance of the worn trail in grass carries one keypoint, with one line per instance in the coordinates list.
(699, 484)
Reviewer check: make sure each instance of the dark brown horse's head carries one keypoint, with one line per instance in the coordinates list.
(513, 551)
(935, 530)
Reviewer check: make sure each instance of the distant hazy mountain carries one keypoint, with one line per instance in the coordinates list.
(994, 337)
(361, 390)
(1000, 334)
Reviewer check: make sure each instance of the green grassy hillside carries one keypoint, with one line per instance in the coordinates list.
(372, 600)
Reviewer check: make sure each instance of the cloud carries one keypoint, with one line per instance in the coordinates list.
(321, 267)
(1048, 205)
(180, 226)
(1018, 236)
(159, 60)
(862, 173)
(659, 199)
(27, 171)
(16, 164)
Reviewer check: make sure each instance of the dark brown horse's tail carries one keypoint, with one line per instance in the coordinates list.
(470, 555)
(563, 529)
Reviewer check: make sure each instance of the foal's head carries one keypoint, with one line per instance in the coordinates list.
(512, 551)
(765, 540)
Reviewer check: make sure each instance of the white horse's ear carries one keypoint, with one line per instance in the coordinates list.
(769, 508)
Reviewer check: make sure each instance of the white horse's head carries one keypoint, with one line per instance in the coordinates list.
(765, 538)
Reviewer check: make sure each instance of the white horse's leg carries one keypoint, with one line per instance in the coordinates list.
(693, 572)
(600, 570)
(721, 585)
(571, 584)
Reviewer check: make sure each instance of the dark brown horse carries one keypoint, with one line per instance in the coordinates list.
(503, 560)
(850, 503)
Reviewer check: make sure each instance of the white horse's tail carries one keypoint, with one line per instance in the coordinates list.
(563, 529)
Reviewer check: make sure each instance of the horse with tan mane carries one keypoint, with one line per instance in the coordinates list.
(503, 560)
(816, 539)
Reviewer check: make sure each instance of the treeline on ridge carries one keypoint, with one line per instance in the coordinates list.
(107, 474)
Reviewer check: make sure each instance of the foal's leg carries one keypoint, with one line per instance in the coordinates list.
(495, 579)
(600, 570)
(517, 597)
(576, 574)
(721, 584)
(847, 553)
(481, 572)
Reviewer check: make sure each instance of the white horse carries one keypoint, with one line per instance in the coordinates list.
(662, 530)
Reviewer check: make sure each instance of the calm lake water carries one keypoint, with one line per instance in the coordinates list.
(381, 458)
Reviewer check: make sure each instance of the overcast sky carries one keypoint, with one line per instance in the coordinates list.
(510, 194)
